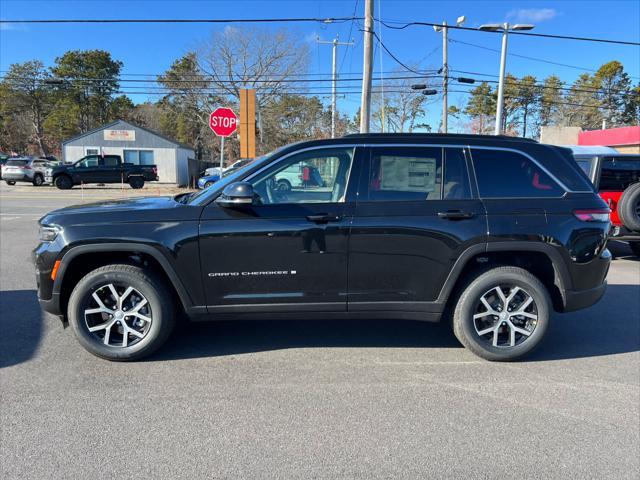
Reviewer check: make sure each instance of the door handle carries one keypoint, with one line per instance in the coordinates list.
(455, 214)
(323, 218)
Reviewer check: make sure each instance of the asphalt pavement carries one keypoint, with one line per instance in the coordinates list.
(311, 399)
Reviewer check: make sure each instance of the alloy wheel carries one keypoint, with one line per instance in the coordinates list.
(118, 315)
(505, 316)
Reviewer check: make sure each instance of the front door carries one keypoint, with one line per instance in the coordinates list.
(87, 170)
(416, 213)
(290, 247)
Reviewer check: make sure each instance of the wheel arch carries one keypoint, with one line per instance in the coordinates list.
(542, 260)
(79, 260)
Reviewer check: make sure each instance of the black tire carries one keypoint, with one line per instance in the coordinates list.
(635, 248)
(465, 327)
(159, 306)
(284, 185)
(10, 182)
(63, 182)
(629, 207)
(38, 180)
(136, 182)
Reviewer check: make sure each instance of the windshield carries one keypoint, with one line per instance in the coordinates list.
(207, 193)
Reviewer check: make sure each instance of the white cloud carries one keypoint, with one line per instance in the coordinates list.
(533, 15)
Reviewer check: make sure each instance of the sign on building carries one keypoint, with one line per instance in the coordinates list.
(126, 135)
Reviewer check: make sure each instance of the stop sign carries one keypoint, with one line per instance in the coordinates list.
(223, 121)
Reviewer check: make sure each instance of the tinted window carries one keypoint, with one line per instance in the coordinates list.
(88, 162)
(405, 174)
(618, 173)
(111, 161)
(317, 176)
(504, 174)
(456, 178)
(586, 164)
(17, 163)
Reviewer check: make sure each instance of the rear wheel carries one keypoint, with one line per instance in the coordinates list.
(502, 314)
(10, 182)
(284, 185)
(121, 312)
(38, 180)
(136, 182)
(63, 182)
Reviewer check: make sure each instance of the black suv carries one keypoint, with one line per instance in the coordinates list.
(494, 233)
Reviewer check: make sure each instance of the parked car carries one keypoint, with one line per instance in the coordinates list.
(31, 170)
(207, 180)
(299, 176)
(211, 171)
(101, 169)
(616, 176)
(495, 233)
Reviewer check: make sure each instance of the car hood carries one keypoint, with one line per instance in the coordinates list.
(147, 209)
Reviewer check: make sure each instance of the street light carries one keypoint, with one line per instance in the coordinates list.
(504, 28)
(445, 67)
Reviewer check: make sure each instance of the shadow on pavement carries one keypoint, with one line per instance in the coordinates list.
(610, 327)
(20, 326)
(246, 336)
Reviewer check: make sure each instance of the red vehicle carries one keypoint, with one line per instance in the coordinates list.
(616, 176)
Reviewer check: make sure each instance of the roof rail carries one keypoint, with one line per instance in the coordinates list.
(440, 135)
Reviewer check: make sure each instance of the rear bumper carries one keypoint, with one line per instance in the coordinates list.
(16, 177)
(620, 232)
(577, 300)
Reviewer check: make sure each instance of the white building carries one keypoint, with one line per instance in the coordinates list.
(137, 145)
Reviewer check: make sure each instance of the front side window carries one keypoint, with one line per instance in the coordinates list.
(316, 176)
(506, 174)
(618, 173)
(405, 174)
(88, 162)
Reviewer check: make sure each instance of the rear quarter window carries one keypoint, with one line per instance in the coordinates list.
(507, 174)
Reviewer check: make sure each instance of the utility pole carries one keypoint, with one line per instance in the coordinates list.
(504, 28)
(367, 70)
(445, 68)
(334, 75)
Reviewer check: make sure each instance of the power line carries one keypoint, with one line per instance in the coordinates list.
(403, 25)
(187, 20)
(396, 58)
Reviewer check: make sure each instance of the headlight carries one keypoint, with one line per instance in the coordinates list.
(48, 233)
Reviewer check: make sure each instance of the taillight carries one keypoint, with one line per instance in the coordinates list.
(26, 167)
(594, 215)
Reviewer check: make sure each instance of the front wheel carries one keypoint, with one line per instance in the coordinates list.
(63, 182)
(502, 314)
(121, 312)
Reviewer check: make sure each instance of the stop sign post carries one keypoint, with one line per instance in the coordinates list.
(223, 122)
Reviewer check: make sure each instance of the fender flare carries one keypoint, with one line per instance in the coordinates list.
(173, 277)
(557, 261)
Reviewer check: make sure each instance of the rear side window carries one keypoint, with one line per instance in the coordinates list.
(405, 174)
(111, 161)
(618, 173)
(506, 174)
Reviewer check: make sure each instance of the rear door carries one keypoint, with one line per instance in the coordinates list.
(416, 214)
(111, 170)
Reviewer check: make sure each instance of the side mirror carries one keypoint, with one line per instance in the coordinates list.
(236, 194)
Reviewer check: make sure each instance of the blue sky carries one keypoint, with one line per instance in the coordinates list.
(151, 48)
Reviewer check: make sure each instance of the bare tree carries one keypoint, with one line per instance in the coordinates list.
(262, 59)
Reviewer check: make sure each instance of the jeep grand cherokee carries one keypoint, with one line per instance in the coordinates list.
(492, 233)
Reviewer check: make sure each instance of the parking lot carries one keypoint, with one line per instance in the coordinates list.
(311, 399)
